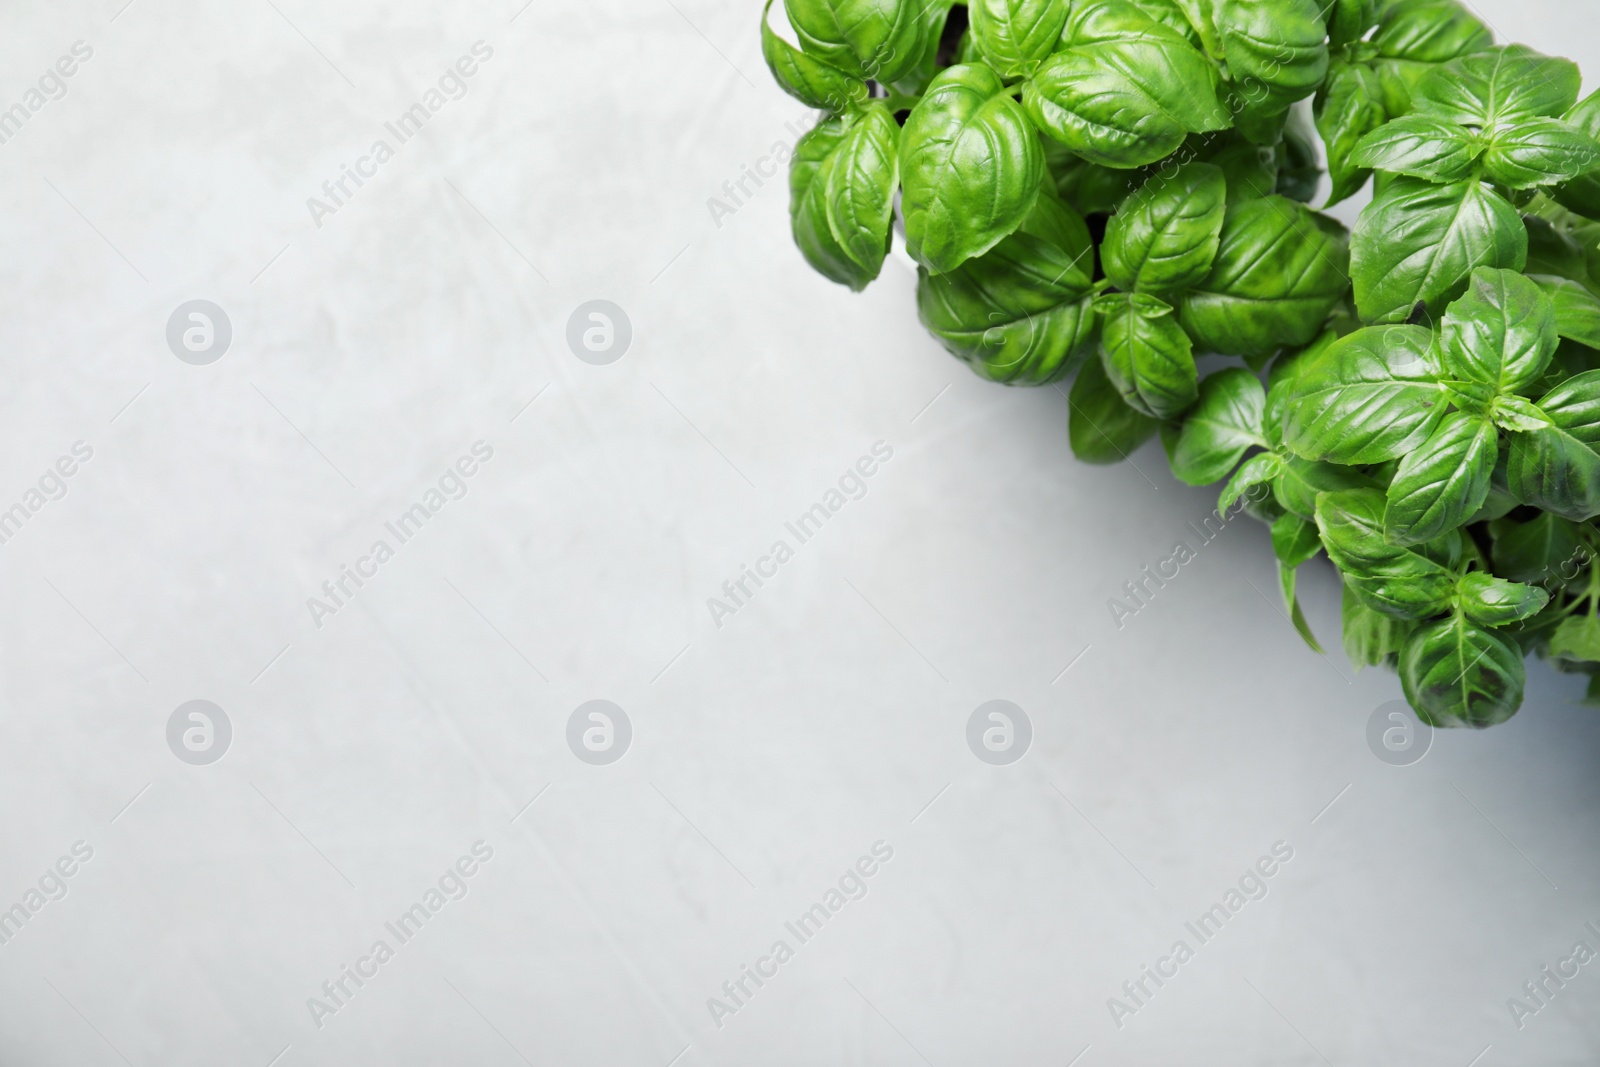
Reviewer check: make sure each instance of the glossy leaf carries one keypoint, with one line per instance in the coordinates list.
(1147, 355)
(1456, 673)
(1417, 242)
(971, 166)
(1303, 480)
(1443, 482)
(1429, 31)
(1420, 146)
(815, 157)
(1019, 313)
(1369, 636)
(1123, 90)
(1368, 397)
(1510, 84)
(1224, 423)
(1412, 38)
(1395, 580)
(1517, 414)
(1557, 468)
(1534, 152)
(1348, 107)
(1015, 35)
(1577, 309)
(1101, 427)
(1257, 470)
(1295, 540)
(1277, 276)
(1277, 50)
(1491, 601)
(1582, 194)
(1501, 332)
(808, 79)
(1349, 20)
(877, 39)
(861, 184)
(1165, 236)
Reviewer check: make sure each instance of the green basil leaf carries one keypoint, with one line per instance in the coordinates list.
(807, 78)
(971, 167)
(1295, 540)
(1124, 90)
(1545, 549)
(1582, 194)
(1429, 31)
(1348, 107)
(1556, 468)
(878, 39)
(1577, 639)
(1277, 50)
(1165, 236)
(1147, 355)
(1413, 37)
(1553, 470)
(935, 13)
(1511, 84)
(1101, 427)
(1277, 276)
(1369, 636)
(1574, 406)
(1577, 309)
(1303, 480)
(1224, 423)
(1420, 146)
(1418, 242)
(815, 157)
(1170, 13)
(1518, 414)
(1366, 398)
(1349, 20)
(861, 184)
(1443, 482)
(1015, 35)
(1491, 601)
(1392, 579)
(1501, 332)
(1455, 673)
(1533, 152)
(1259, 469)
(1020, 312)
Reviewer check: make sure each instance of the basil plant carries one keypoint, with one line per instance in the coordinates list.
(1117, 192)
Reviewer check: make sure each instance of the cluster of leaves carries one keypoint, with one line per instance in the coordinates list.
(1114, 188)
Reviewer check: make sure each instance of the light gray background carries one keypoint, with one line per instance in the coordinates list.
(769, 753)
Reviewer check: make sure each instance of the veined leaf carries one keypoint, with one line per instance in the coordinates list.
(1165, 236)
(1417, 242)
(1368, 397)
(971, 166)
(1456, 673)
(1224, 423)
(1147, 355)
